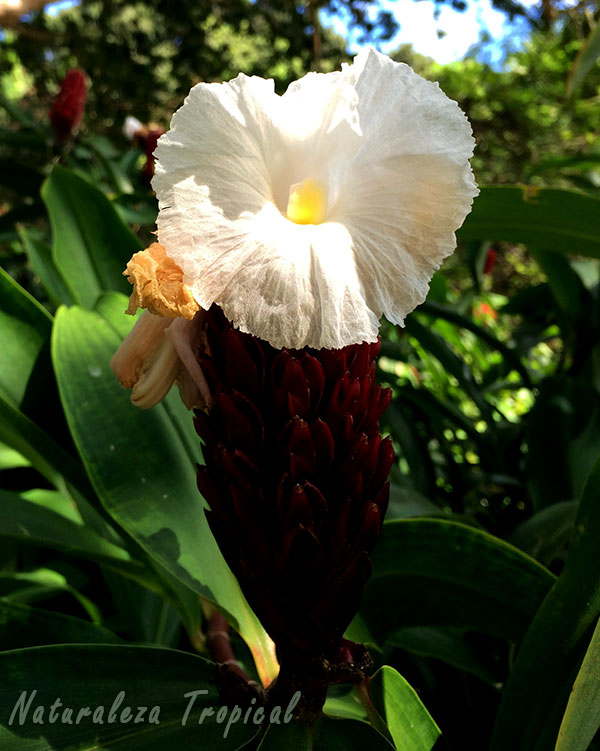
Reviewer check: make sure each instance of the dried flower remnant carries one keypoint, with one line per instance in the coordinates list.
(68, 106)
(162, 347)
(158, 285)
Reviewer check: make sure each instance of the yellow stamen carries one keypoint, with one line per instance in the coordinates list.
(307, 203)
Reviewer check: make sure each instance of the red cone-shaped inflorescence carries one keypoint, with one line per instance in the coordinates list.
(67, 108)
(296, 478)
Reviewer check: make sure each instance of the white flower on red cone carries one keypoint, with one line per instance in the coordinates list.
(307, 216)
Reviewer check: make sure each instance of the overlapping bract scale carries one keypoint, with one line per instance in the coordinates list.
(295, 476)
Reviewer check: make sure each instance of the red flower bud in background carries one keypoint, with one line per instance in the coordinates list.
(490, 261)
(67, 108)
(146, 137)
(484, 313)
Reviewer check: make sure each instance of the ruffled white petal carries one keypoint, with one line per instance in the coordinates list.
(391, 150)
(409, 186)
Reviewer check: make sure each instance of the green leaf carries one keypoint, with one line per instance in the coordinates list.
(90, 243)
(24, 330)
(567, 288)
(22, 626)
(61, 469)
(347, 705)
(136, 208)
(25, 437)
(581, 720)
(327, 734)
(358, 631)
(142, 471)
(147, 617)
(19, 115)
(449, 645)
(447, 313)
(424, 575)
(537, 692)
(406, 502)
(413, 446)
(579, 162)
(105, 153)
(112, 307)
(23, 212)
(546, 533)
(32, 523)
(11, 459)
(54, 500)
(436, 346)
(33, 586)
(22, 138)
(40, 257)
(585, 60)
(565, 221)
(563, 432)
(149, 677)
(409, 723)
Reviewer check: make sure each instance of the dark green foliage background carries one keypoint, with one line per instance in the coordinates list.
(486, 586)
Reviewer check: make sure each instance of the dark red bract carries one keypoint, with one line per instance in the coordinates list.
(148, 143)
(490, 261)
(296, 478)
(67, 108)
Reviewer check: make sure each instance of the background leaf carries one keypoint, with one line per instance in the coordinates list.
(434, 572)
(90, 243)
(535, 697)
(560, 220)
(24, 330)
(581, 720)
(327, 734)
(30, 522)
(585, 60)
(410, 724)
(142, 471)
(22, 626)
(148, 676)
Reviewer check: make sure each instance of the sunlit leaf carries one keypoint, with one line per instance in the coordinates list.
(142, 470)
(565, 221)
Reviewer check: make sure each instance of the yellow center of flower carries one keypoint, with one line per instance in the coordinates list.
(307, 203)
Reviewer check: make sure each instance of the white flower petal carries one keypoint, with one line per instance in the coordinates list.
(132, 127)
(296, 284)
(409, 186)
(392, 152)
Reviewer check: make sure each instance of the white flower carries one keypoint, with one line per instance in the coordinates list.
(132, 127)
(307, 216)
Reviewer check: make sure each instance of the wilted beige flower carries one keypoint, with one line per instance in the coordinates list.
(159, 352)
(158, 285)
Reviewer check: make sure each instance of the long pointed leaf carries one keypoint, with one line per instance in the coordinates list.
(90, 243)
(565, 221)
(142, 471)
(535, 697)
